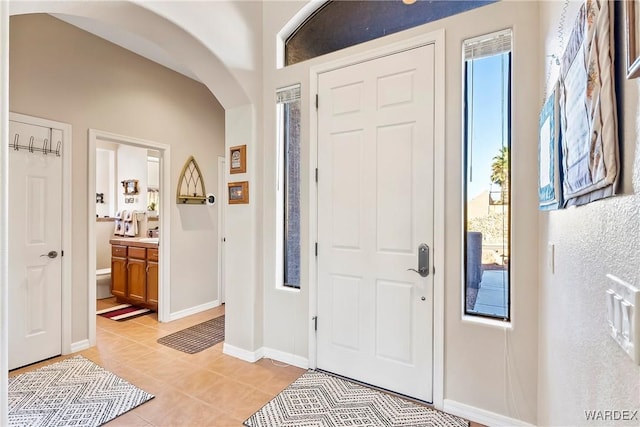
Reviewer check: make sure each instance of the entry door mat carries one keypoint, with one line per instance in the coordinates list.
(320, 400)
(123, 312)
(196, 338)
(73, 392)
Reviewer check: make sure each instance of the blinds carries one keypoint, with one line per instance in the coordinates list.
(288, 94)
(488, 45)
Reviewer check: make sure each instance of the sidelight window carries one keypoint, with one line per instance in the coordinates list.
(487, 172)
(288, 186)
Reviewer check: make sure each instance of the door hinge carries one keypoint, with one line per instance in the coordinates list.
(316, 174)
(315, 323)
(316, 248)
(61, 253)
(316, 101)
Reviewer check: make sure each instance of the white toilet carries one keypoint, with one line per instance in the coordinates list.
(103, 283)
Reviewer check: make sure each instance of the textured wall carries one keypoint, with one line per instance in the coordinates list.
(580, 367)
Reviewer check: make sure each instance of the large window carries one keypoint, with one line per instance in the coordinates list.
(288, 191)
(487, 192)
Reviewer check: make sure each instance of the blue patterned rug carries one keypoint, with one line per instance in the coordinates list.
(320, 400)
(73, 392)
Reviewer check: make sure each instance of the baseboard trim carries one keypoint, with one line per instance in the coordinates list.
(481, 416)
(193, 310)
(79, 346)
(288, 358)
(242, 354)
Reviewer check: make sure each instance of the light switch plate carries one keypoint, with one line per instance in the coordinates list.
(626, 321)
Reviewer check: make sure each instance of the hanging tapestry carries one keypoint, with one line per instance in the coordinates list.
(590, 163)
(549, 154)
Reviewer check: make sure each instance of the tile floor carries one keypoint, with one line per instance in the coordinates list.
(203, 389)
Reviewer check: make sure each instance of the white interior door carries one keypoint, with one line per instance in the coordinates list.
(375, 207)
(35, 240)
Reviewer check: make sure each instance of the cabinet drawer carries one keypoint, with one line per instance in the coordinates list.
(138, 253)
(152, 255)
(119, 251)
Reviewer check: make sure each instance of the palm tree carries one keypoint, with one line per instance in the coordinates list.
(500, 173)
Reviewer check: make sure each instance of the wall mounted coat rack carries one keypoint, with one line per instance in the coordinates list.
(47, 146)
(191, 185)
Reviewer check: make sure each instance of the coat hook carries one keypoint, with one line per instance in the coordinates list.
(45, 147)
(15, 142)
(58, 147)
(31, 144)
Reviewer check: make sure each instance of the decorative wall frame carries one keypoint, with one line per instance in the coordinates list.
(238, 192)
(191, 184)
(130, 186)
(238, 159)
(632, 37)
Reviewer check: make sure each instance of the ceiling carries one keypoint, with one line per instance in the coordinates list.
(127, 40)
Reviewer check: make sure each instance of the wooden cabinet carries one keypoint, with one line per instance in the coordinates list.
(119, 271)
(134, 275)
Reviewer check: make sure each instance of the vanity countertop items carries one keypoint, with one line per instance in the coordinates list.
(143, 242)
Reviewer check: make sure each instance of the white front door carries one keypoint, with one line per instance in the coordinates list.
(375, 208)
(35, 240)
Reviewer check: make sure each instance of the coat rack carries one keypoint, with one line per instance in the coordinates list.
(47, 146)
(191, 185)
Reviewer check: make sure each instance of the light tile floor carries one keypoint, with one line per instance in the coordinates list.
(203, 389)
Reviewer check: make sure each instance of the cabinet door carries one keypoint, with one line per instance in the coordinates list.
(137, 280)
(152, 283)
(119, 276)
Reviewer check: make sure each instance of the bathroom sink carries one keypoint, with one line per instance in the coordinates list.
(148, 240)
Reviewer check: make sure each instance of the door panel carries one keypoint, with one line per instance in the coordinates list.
(35, 214)
(375, 207)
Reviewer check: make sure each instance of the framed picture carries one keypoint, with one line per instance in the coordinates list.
(238, 192)
(632, 36)
(238, 159)
(130, 186)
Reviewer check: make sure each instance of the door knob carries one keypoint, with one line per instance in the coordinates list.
(51, 254)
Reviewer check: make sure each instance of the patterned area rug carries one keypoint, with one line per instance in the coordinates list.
(73, 392)
(320, 400)
(197, 337)
(123, 312)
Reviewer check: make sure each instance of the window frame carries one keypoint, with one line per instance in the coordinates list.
(292, 94)
(489, 319)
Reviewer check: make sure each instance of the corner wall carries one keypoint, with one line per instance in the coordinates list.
(580, 367)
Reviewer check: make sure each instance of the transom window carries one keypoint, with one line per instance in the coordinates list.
(340, 24)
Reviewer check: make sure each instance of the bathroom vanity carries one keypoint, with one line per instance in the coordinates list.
(134, 271)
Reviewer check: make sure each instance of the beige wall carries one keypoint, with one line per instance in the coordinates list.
(580, 366)
(61, 73)
(487, 367)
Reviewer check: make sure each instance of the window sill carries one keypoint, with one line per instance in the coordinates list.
(494, 323)
(288, 289)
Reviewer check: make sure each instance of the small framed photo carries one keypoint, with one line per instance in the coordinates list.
(238, 192)
(238, 159)
(632, 36)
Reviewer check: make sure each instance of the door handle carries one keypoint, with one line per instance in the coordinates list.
(423, 260)
(51, 254)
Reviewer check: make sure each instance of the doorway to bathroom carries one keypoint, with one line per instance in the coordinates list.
(109, 197)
